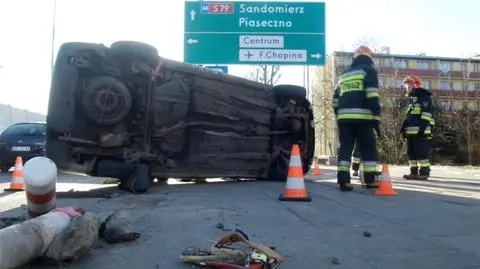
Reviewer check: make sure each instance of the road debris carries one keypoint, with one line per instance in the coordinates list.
(367, 234)
(220, 226)
(76, 240)
(20, 243)
(94, 193)
(62, 235)
(335, 260)
(224, 256)
(118, 227)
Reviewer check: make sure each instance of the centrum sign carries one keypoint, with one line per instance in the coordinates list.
(254, 33)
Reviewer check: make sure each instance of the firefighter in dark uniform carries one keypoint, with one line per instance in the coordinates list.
(417, 128)
(357, 109)
(356, 160)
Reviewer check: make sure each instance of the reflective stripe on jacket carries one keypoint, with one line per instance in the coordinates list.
(418, 117)
(356, 97)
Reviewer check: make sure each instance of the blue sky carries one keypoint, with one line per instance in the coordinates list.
(440, 28)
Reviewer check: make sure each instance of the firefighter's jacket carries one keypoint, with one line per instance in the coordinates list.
(356, 97)
(419, 118)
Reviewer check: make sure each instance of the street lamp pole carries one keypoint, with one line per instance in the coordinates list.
(53, 35)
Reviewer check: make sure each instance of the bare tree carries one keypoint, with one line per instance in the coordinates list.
(322, 93)
(266, 74)
(462, 114)
(391, 145)
(370, 42)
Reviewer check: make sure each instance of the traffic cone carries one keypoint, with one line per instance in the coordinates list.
(385, 187)
(17, 183)
(316, 169)
(295, 189)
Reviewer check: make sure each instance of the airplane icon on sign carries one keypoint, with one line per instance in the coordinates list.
(248, 54)
(204, 8)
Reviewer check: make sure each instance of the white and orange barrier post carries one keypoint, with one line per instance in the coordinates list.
(40, 174)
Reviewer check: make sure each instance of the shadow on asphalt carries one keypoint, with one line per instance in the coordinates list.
(6, 193)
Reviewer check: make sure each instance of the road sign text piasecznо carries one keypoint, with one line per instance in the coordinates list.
(254, 33)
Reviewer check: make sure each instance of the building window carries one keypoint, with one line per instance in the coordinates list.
(400, 64)
(380, 82)
(478, 106)
(445, 67)
(475, 67)
(398, 83)
(459, 86)
(476, 86)
(426, 84)
(445, 85)
(382, 62)
(423, 65)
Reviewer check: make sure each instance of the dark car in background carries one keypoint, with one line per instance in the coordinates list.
(26, 140)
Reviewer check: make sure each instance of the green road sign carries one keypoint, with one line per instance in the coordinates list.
(254, 33)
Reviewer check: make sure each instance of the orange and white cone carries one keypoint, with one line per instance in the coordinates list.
(385, 187)
(316, 169)
(17, 183)
(295, 189)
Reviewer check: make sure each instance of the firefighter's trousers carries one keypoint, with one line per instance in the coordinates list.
(356, 157)
(364, 134)
(418, 148)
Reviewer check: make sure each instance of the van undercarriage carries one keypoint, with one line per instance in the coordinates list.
(123, 105)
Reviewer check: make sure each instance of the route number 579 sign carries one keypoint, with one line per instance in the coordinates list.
(218, 8)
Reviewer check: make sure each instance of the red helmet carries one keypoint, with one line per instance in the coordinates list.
(363, 50)
(415, 80)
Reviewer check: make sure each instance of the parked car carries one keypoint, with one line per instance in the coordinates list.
(115, 109)
(26, 140)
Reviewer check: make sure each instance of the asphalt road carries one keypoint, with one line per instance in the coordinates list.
(432, 224)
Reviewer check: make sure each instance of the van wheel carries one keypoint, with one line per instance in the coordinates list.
(4, 168)
(133, 49)
(291, 92)
(139, 181)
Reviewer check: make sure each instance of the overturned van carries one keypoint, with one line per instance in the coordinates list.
(122, 111)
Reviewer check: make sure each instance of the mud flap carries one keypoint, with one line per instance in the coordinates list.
(139, 181)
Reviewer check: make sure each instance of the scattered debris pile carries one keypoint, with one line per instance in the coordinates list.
(223, 255)
(63, 235)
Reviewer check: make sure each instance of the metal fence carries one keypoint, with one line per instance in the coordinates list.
(10, 115)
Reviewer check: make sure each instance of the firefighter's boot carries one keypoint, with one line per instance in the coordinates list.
(421, 177)
(346, 187)
(371, 181)
(413, 174)
(372, 185)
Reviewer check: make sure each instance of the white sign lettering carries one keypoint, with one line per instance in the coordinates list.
(265, 55)
(248, 41)
(269, 9)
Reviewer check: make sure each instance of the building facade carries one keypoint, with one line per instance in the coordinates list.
(455, 83)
